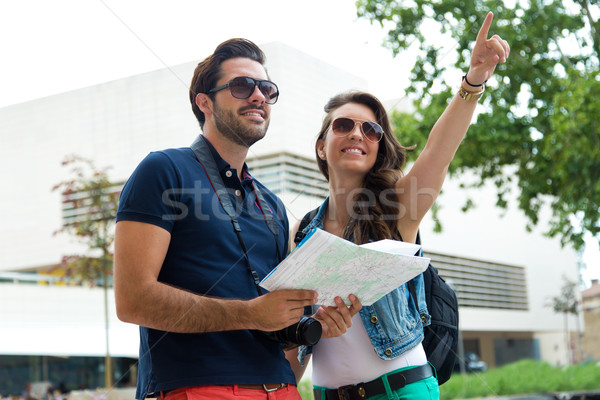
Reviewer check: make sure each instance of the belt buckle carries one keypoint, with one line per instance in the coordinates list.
(274, 389)
(341, 392)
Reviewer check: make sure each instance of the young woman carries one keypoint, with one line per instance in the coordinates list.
(381, 356)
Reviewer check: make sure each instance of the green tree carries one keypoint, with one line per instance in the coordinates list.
(91, 216)
(537, 128)
(568, 303)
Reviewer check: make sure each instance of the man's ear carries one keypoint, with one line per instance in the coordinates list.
(204, 103)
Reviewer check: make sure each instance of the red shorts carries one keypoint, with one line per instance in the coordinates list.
(218, 392)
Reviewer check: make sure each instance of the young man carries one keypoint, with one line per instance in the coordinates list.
(185, 275)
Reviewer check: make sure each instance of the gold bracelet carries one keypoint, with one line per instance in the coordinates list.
(470, 96)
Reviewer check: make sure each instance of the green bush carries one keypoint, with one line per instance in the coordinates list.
(522, 377)
(305, 389)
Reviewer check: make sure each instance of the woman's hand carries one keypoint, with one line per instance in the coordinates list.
(335, 320)
(487, 53)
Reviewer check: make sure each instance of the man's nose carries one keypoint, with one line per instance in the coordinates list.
(257, 96)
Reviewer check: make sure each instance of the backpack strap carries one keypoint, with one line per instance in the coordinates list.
(304, 223)
(413, 292)
(411, 283)
(418, 241)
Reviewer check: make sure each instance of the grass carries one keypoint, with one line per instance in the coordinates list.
(305, 389)
(522, 377)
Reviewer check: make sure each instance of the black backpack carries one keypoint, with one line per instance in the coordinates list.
(441, 337)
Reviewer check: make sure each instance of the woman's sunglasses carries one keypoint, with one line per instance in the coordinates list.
(242, 87)
(343, 126)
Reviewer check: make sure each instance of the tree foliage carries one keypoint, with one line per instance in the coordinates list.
(93, 202)
(537, 127)
(566, 302)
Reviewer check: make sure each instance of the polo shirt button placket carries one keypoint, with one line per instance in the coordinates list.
(228, 173)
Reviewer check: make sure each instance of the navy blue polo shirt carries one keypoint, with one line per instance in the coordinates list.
(170, 189)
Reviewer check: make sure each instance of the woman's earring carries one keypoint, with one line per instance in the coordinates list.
(322, 155)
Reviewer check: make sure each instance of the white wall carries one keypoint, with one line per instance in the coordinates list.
(553, 347)
(61, 320)
(116, 124)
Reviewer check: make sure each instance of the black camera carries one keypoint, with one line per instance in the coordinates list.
(307, 332)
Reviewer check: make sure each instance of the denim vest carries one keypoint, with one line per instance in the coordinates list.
(393, 323)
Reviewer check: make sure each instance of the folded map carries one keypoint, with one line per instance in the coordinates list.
(336, 267)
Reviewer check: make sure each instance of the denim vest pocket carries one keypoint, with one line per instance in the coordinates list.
(393, 324)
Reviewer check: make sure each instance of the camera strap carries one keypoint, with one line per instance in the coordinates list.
(208, 163)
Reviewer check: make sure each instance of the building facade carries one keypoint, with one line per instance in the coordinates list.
(590, 306)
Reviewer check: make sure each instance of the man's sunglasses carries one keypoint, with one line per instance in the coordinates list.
(242, 87)
(372, 131)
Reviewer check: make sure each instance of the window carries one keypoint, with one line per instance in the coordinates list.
(483, 284)
(289, 173)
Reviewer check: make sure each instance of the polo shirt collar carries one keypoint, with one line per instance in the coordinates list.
(222, 165)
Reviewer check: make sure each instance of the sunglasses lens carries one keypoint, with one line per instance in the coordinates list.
(241, 87)
(342, 126)
(269, 90)
(372, 131)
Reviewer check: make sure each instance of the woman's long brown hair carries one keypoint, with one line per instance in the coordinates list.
(374, 214)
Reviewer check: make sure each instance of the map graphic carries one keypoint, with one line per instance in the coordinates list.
(336, 267)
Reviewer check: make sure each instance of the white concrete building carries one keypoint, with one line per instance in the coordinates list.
(504, 275)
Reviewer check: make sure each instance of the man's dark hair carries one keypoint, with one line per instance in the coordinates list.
(208, 72)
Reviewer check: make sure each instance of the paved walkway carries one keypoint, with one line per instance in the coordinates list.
(595, 395)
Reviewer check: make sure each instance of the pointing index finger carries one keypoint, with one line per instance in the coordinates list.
(485, 28)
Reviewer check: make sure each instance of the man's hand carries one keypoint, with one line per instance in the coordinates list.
(336, 320)
(279, 309)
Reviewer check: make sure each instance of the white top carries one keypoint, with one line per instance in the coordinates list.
(350, 358)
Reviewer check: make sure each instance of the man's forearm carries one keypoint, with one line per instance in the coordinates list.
(171, 309)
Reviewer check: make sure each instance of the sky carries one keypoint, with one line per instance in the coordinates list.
(50, 47)
(62, 45)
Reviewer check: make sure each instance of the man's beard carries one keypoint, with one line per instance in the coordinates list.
(232, 127)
